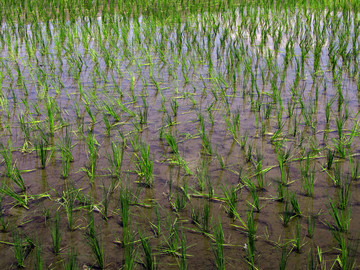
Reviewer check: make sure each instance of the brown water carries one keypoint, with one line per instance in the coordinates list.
(140, 73)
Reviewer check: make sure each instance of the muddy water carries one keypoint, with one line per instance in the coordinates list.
(178, 71)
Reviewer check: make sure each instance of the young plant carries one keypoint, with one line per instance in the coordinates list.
(206, 142)
(348, 256)
(38, 257)
(345, 194)
(130, 253)
(93, 155)
(287, 214)
(21, 200)
(19, 248)
(284, 257)
(17, 178)
(254, 194)
(230, 194)
(354, 168)
(218, 248)
(51, 109)
(311, 226)
(308, 177)
(297, 239)
(295, 204)
(125, 194)
(94, 243)
(71, 263)
(6, 153)
(144, 165)
(116, 159)
(65, 146)
(183, 262)
(260, 175)
(341, 217)
(69, 197)
(41, 147)
(330, 159)
(56, 233)
(251, 232)
(282, 157)
(149, 257)
(180, 201)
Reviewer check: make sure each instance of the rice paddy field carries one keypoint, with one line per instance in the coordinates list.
(179, 134)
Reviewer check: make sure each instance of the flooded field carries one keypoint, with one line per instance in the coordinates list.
(179, 134)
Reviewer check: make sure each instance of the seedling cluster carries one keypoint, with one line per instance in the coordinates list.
(187, 134)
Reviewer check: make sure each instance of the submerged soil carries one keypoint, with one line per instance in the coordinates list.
(196, 80)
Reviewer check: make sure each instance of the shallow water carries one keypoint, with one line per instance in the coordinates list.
(209, 65)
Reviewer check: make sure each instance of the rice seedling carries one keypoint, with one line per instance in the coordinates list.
(130, 250)
(180, 202)
(345, 194)
(311, 226)
(172, 241)
(125, 206)
(281, 192)
(156, 228)
(170, 139)
(284, 257)
(97, 249)
(230, 194)
(38, 257)
(41, 147)
(149, 263)
(65, 146)
(308, 177)
(244, 140)
(311, 262)
(218, 248)
(93, 155)
(144, 165)
(251, 232)
(94, 242)
(297, 240)
(17, 178)
(174, 106)
(71, 263)
(209, 187)
(51, 108)
(202, 175)
(330, 159)
(206, 143)
(354, 168)
(221, 160)
(108, 125)
(183, 262)
(282, 157)
(21, 200)
(341, 217)
(69, 197)
(260, 175)
(287, 215)
(202, 220)
(56, 234)
(255, 196)
(19, 248)
(295, 204)
(337, 175)
(248, 156)
(348, 256)
(7, 156)
(116, 159)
